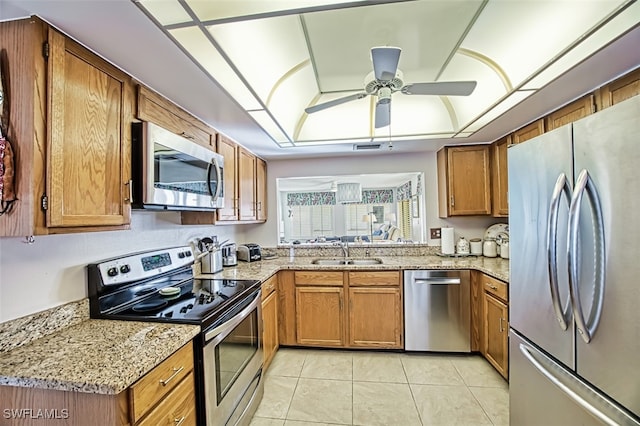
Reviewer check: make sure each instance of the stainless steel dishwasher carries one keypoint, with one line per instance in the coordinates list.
(436, 310)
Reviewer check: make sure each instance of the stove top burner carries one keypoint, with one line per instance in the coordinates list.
(149, 306)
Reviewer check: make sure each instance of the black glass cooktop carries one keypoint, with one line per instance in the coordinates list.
(192, 301)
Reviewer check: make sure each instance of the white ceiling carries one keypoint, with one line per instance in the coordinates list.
(123, 34)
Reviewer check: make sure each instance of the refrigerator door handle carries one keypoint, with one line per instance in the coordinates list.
(578, 391)
(561, 189)
(584, 183)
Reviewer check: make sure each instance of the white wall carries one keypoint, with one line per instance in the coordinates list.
(52, 270)
(267, 234)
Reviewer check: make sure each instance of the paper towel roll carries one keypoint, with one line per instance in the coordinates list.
(446, 241)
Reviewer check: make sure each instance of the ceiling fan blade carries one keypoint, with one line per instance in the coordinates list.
(385, 62)
(440, 88)
(383, 114)
(334, 102)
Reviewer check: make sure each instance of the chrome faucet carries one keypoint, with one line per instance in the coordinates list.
(344, 245)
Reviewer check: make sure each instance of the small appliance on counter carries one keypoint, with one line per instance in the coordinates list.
(211, 256)
(229, 255)
(249, 252)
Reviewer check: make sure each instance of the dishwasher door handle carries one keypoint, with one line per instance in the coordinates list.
(437, 281)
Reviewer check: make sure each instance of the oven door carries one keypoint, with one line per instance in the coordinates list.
(180, 174)
(232, 365)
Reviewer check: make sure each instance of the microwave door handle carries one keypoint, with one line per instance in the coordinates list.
(211, 193)
(219, 177)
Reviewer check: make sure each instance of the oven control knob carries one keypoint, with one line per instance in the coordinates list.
(112, 272)
(181, 255)
(169, 314)
(125, 268)
(183, 310)
(190, 306)
(188, 253)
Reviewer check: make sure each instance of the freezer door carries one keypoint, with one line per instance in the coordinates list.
(607, 145)
(534, 168)
(542, 392)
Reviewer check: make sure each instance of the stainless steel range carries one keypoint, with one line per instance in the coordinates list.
(159, 286)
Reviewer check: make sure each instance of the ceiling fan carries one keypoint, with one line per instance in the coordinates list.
(386, 79)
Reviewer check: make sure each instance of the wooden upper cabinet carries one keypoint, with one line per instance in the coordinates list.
(88, 168)
(229, 150)
(500, 178)
(70, 129)
(246, 183)
(161, 111)
(261, 190)
(619, 90)
(529, 131)
(569, 113)
(464, 181)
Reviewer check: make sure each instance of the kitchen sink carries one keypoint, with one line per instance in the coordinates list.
(347, 261)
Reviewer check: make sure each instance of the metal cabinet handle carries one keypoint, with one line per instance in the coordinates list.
(179, 421)
(452, 202)
(501, 327)
(491, 286)
(186, 135)
(585, 183)
(176, 371)
(561, 188)
(130, 185)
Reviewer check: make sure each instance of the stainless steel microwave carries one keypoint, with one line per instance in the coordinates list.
(172, 172)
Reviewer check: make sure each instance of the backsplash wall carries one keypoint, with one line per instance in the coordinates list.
(52, 270)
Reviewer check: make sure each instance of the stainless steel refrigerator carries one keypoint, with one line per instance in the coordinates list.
(574, 219)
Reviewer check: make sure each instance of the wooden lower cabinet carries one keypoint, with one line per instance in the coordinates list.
(496, 334)
(269, 321)
(375, 317)
(163, 396)
(357, 309)
(477, 312)
(320, 316)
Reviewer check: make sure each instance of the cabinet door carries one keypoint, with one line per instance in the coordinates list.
(319, 316)
(496, 334)
(570, 113)
(246, 182)
(261, 189)
(269, 328)
(500, 181)
(88, 168)
(229, 150)
(619, 90)
(529, 131)
(467, 181)
(375, 317)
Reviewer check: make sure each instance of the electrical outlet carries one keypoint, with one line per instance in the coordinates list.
(435, 233)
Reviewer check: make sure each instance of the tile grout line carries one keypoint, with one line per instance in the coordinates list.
(413, 397)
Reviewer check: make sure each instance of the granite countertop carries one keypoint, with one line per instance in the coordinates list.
(107, 356)
(261, 270)
(94, 356)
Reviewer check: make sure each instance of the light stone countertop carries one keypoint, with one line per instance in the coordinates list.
(95, 356)
(107, 356)
(262, 270)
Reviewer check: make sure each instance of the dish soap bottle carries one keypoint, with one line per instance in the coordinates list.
(462, 247)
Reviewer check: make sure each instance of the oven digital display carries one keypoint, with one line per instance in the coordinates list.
(156, 261)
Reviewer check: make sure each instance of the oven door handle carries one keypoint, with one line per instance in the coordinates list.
(233, 322)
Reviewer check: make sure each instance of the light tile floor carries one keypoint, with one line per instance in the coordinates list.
(320, 387)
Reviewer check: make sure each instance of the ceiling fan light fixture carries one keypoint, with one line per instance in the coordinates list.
(384, 95)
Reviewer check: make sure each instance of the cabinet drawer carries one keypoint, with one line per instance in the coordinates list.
(269, 286)
(150, 389)
(178, 406)
(374, 278)
(495, 287)
(328, 278)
